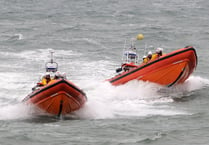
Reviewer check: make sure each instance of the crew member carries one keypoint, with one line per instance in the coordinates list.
(158, 53)
(145, 59)
(46, 79)
(57, 75)
(149, 56)
(64, 76)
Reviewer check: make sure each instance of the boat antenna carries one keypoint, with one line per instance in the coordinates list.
(132, 42)
(124, 49)
(52, 56)
(141, 37)
(145, 49)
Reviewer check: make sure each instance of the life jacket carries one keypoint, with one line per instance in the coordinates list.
(45, 81)
(53, 80)
(145, 60)
(155, 56)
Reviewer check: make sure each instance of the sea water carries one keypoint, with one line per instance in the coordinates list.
(88, 38)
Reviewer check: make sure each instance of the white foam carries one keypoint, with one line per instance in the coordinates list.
(194, 83)
(15, 111)
(135, 98)
(19, 36)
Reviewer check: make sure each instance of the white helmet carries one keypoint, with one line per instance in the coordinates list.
(158, 50)
(57, 74)
(64, 75)
(150, 53)
(47, 75)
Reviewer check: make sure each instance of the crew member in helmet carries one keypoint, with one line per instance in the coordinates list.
(158, 53)
(144, 59)
(64, 76)
(147, 58)
(46, 79)
(57, 75)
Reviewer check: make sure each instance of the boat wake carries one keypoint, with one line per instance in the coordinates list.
(137, 99)
(133, 99)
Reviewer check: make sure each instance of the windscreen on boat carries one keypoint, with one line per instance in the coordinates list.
(51, 67)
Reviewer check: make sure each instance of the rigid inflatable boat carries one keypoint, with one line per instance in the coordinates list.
(167, 70)
(59, 97)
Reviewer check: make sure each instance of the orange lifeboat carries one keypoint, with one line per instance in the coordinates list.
(167, 70)
(59, 96)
